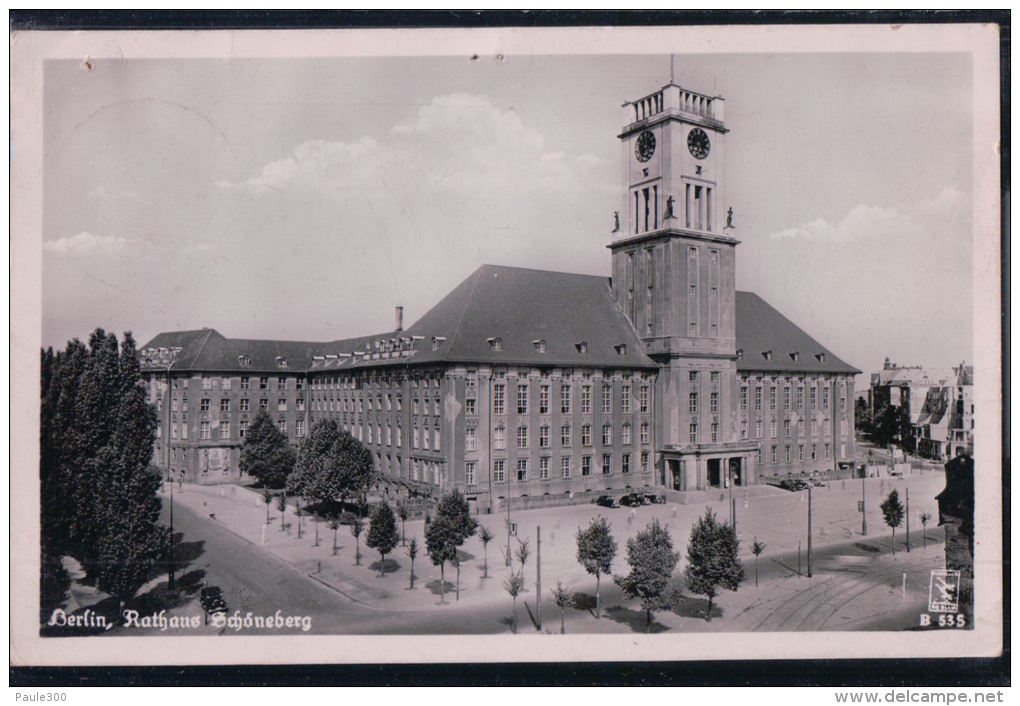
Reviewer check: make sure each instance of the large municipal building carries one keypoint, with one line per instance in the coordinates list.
(525, 382)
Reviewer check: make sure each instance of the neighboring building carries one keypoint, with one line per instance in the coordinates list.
(548, 383)
(938, 401)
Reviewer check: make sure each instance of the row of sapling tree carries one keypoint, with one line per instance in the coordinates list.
(446, 533)
(98, 489)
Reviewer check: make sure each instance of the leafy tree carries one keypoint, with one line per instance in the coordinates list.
(486, 535)
(331, 466)
(281, 505)
(756, 548)
(267, 498)
(712, 558)
(382, 533)
(412, 552)
(456, 514)
(925, 517)
(357, 525)
(514, 584)
(265, 454)
(562, 598)
(652, 560)
(595, 551)
(862, 417)
(402, 514)
(523, 552)
(442, 537)
(892, 511)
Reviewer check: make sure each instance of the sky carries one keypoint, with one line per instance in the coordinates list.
(305, 198)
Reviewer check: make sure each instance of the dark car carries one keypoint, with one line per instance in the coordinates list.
(793, 484)
(212, 600)
(633, 500)
(607, 501)
(655, 499)
(817, 483)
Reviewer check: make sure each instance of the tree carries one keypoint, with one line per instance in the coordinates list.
(514, 584)
(652, 560)
(382, 533)
(523, 552)
(331, 466)
(712, 558)
(756, 548)
(925, 517)
(267, 498)
(412, 552)
(562, 598)
(458, 526)
(297, 512)
(334, 524)
(595, 551)
(281, 504)
(442, 538)
(892, 511)
(486, 535)
(402, 514)
(265, 454)
(357, 525)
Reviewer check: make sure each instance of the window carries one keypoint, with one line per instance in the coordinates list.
(470, 439)
(800, 397)
(828, 453)
(772, 428)
(299, 428)
(299, 383)
(263, 383)
(625, 435)
(692, 376)
(522, 398)
(743, 398)
(644, 462)
(786, 397)
(543, 399)
(828, 427)
(565, 398)
(435, 439)
(757, 398)
(565, 467)
(625, 463)
(787, 453)
(757, 429)
(644, 432)
(498, 470)
(692, 329)
(565, 435)
(282, 424)
(772, 398)
(773, 455)
(825, 398)
(800, 426)
(693, 433)
(715, 432)
(713, 403)
(842, 398)
(585, 399)
(424, 437)
(242, 428)
(400, 435)
(281, 383)
(225, 429)
(625, 399)
(586, 435)
(786, 428)
(225, 383)
(244, 404)
(299, 404)
(586, 465)
(204, 405)
(800, 452)
(245, 383)
(281, 404)
(498, 398)
(522, 470)
(692, 403)
(812, 397)
(224, 404)
(543, 468)
(469, 473)
(743, 429)
(206, 383)
(522, 437)
(416, 438)
(204, 430)
(644, 398)
(607, 399)
(469, 406)
(543, 437)
(607, 435)
(813, 426)
(498, 438)
(814, 451)
(607, 464)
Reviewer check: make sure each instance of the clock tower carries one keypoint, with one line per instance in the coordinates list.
(674, 276)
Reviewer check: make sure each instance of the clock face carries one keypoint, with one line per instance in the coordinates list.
(645, 147)
(697, 143)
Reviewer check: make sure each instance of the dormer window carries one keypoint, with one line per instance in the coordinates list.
(795, 356)
(581, 346)
(820, 357)
(767, 355)
(244, 361)
(437, 341)
(539, 345)
(621, 348)
(495, 344)
(281, 362)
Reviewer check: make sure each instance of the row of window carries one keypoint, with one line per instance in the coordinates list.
(224, 429)
(799, 390)
(844, 426)
(812, 449)
(566, 436)
(499, 468)
(565, 399)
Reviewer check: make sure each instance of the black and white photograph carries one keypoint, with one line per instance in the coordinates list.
(553, 344)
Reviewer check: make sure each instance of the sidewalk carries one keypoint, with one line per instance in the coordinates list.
(779, 520)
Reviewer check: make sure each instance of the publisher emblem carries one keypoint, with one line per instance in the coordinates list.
(944, 591)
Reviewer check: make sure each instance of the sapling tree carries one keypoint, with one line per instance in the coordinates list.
(925, 517)
(267, 498)
(756, 548)
(486, 535)
(892, 511)
(595, 551)
(652, 560)
(382, 533)
(412, 552)
(562, 598)
(514, 584)
(523, 552)
(712, 558)
(357, 525)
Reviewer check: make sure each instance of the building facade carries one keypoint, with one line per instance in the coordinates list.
(531, 383)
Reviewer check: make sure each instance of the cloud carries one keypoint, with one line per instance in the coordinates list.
(86, 243)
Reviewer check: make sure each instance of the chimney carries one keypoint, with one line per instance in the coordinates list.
(399, 311)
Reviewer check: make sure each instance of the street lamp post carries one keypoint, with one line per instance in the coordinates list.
(809, 531)
(169, 472)
(864, 507)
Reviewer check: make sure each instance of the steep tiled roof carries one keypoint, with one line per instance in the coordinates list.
(771, 342)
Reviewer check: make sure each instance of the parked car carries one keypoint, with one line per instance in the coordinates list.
(655, 499)
(212, 600)
(607, 501)
(817, 483)
(793, 484)
(633, 500)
